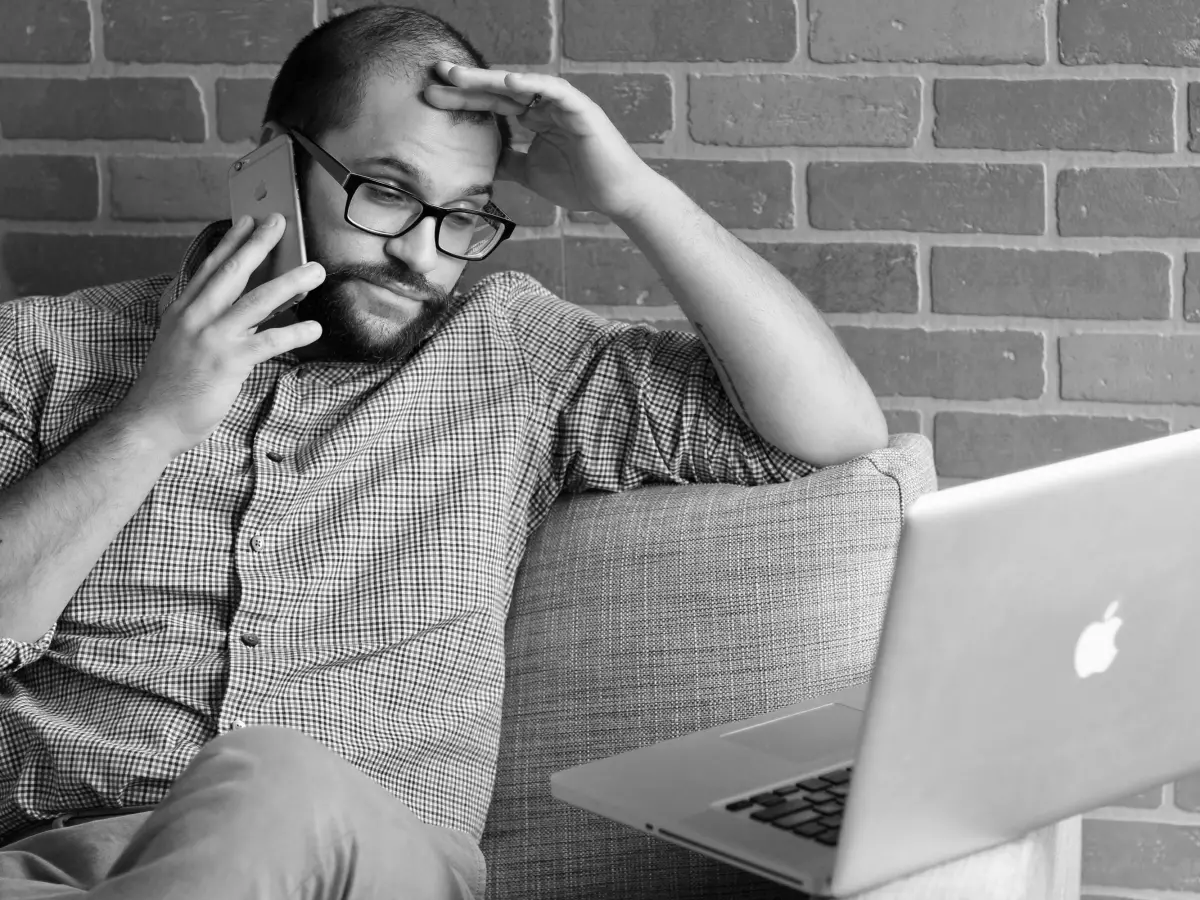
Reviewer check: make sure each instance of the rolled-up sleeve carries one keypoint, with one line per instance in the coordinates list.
(18, 457)
(637, 405)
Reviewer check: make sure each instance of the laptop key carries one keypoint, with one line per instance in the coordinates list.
(821, 797)
(787, 789)
(769, 798)
(826, 809)
(841, 776)
(796, 818)
(839, 790)
(809, 829)
(738, 805)
(829, 837)
(771, 813)
(834, 821)
(813, 784)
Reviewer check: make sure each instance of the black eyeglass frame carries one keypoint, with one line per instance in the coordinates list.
(350, 182)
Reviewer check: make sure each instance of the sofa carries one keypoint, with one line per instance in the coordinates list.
(643, 615)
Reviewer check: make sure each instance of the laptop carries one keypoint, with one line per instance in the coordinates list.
(1033, 619)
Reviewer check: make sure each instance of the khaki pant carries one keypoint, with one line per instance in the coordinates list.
(262, 812)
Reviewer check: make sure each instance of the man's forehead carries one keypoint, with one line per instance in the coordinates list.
(397, 130)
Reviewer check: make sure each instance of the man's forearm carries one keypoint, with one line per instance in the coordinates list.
(782, 367)
(57, 521)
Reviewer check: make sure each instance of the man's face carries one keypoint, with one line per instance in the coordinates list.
(383, 296)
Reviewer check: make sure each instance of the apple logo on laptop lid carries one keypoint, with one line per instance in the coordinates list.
(1096, 648)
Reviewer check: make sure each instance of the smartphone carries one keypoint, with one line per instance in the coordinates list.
(260, 183)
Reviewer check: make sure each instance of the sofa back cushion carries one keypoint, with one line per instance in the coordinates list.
(644, 615)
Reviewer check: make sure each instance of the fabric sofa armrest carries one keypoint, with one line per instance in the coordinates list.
(640, 616)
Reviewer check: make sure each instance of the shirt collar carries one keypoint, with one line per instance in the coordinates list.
(203, 244)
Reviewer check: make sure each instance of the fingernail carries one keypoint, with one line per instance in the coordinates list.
(245, 222)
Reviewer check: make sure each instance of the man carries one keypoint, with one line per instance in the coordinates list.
(253, 580)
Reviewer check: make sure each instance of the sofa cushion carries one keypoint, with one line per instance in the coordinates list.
(644, 615)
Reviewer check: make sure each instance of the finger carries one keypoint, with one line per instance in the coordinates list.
(231, 240)
(227, 282)
(262, 302)
(521, 86)
(273, 341)
(445, 97)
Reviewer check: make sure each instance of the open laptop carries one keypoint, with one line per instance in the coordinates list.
(1037, 648)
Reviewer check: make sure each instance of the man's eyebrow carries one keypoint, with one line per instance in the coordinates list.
(423, 180)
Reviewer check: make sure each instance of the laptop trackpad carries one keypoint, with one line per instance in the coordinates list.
(806, 736)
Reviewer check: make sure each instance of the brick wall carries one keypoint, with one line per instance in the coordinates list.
(993, 201)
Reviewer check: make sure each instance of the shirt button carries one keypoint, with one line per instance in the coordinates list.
(256, 542)
(274, 457)
(250, 640)
(238, 723)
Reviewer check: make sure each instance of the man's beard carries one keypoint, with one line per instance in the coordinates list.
(348, 337)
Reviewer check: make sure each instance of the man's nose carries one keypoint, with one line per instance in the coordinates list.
(417, 248)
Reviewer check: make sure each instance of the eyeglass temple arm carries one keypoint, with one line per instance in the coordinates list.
(339, 172)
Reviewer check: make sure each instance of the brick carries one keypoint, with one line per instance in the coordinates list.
(1058, 284)
(203, 31)
(1140, 855)
(804, 110)
(611, 272)
(1125, 114)
(1121, 202)
(1193, 97)
(680, 30)
(1131, 368)
(542, 258)
(850, 277)
(169, 188)
(241, 103)
(953, 365)
(60, 263)
(639, 105)
(44, 186)
(736, 194)
(523, 206)
(106, 109)
(1187, 792)
(504, 31)
(1162, 33)
(902, 421)
(969, 32)
(939, 197)
(1191, 287)
(983, 445)
(46, 31)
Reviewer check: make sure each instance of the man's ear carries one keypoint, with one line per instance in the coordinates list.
(269, 131)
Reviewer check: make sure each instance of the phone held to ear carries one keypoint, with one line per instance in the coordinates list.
(260, 183)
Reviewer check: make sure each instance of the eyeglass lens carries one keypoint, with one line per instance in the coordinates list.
(463, 232)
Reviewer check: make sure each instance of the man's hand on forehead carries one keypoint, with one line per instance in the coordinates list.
(578, 159)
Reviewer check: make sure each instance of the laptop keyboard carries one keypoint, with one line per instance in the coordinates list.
(809, 809)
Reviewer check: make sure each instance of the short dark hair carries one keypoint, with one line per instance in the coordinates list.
(321, 85)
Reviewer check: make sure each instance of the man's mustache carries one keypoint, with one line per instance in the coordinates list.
(387, 277)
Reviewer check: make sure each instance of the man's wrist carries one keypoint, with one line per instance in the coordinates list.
(654, 194)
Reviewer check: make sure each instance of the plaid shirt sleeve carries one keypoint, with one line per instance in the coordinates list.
(18, 457)
(636, 405)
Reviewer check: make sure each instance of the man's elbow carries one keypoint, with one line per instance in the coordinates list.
(859, 442)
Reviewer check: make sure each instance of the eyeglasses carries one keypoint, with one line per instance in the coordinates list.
(378, 208)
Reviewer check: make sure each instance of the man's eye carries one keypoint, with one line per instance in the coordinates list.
(380, 194)
(463, 219)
